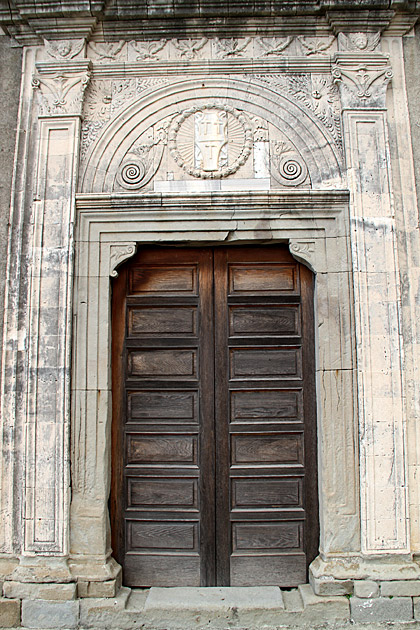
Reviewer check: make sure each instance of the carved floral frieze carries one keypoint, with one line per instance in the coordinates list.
(216, 49)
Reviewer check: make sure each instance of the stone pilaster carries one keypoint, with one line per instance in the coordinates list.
(362, 79)
(60, 87)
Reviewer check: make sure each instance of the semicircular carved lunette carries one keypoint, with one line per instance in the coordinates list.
(314, 153)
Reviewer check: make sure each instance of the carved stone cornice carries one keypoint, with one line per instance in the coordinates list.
(60, 87)
(359, 20)
(111, 21)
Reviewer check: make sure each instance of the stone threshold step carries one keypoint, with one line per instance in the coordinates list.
(213, 608)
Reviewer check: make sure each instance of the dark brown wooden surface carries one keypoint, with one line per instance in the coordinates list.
(214, 477)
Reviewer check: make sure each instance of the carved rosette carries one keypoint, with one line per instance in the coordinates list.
(210, 141)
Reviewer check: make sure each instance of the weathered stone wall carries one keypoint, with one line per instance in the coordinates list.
(10, 63)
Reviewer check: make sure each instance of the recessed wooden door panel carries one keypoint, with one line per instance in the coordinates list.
(214, 441)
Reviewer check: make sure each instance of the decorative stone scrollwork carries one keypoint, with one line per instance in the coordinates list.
(61, 94)
(304, 251)
(273, 46)
(118, 254)
(361, 87)
(211, 141)
(132, 175)
(142, 161)
(315, 45)
(288, 168)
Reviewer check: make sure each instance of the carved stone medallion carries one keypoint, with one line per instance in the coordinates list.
(210, 141)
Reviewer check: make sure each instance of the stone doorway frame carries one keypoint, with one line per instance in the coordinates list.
(315, 224)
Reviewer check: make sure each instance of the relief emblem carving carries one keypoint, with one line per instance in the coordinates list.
(211, 141)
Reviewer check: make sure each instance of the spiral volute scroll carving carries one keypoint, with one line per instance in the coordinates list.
(287, 166)
(290, 169)
(132, 175)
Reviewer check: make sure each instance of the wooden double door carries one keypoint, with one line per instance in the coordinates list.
(214, 477)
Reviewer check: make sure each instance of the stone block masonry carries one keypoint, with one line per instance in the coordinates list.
(9, 613)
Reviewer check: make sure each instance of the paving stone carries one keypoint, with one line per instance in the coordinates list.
(50, 614)
(9, 613)
(401, 588)
(366, 589)
(381, 609)
(28, 590)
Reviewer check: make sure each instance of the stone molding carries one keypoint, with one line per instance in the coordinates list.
(28, 25)
(315, 225)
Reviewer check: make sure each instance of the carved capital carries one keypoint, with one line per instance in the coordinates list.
(61, 94)
(362, 87)
(118, 254)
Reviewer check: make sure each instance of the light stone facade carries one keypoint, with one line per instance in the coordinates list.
(292, 131)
